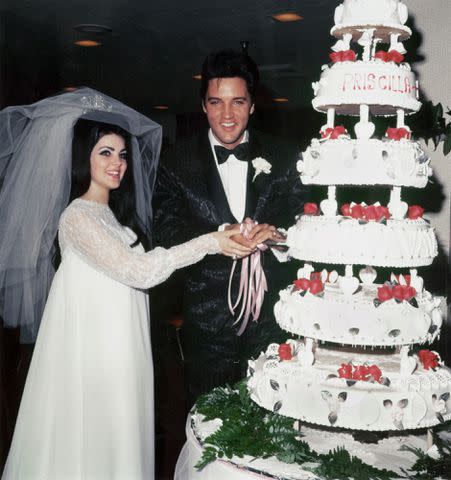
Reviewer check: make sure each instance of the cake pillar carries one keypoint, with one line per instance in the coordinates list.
(329, 206)
(330, 117)
(400, 118)
(364, 129)
(398, 209)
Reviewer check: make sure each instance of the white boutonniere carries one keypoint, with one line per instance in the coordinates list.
(261, 165)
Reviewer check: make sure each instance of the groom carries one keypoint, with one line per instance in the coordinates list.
(211, 182)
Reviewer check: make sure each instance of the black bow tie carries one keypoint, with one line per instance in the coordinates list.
(241, 152)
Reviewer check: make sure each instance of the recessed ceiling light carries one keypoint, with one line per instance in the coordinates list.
(197, 77)
(161, 107)
(87, 43)
(92, 28)
(281, 100)
(70, 89)
(287, 17)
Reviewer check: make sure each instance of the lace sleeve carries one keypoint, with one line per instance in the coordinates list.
(94, 240)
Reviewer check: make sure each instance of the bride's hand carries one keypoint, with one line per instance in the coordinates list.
(230, 247)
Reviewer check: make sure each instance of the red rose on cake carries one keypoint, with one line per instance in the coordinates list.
(370, 213)
(429, 359)
(384, 293)
(310, 208)
(382, 212)
(345, 371)
(301, 284)
(415, 212)
(357, 211)
(408, 292)
(285, 351)
(346, 210)
(316, 286)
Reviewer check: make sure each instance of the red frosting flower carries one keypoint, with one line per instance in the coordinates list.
(384, 293)
(316, 286)
(343, 56)
(414, 212)
(310, 208)
(397, 133)
(408, 292)
(370, 213)
(333, 133)
(428, 359)
(398, 292)
(346, 210)
(382, 212)
(345, 371)
(391, 56)
(360, 373)
(357, 211)
(315, 276)
(285, 351)
(301, 284)
(375, 372)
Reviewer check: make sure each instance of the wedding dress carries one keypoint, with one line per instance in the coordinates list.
(87, 411)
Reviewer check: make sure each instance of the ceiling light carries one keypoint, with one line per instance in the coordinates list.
(161, 107)
(70, 89)
(92, 28)
(197, 77)
(287, 17)
(87, 43)
(281, 100)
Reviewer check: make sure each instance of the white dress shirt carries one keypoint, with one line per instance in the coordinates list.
(233, 173)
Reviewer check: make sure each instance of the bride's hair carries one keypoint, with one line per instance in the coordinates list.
(122, 200)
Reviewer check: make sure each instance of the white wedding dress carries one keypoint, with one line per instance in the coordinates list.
(87, 411)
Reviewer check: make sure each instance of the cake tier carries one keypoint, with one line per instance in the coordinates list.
(384, 86)
(384, 16)
(316, 394)
(339, 240)
(364, 162)
(355, 319)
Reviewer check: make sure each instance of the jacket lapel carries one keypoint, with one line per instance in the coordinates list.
(213, 182)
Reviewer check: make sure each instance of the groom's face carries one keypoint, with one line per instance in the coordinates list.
(228, 106)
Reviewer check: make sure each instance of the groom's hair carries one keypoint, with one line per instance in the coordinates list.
(227, 64)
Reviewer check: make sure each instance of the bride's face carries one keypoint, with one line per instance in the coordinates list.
(108, 162)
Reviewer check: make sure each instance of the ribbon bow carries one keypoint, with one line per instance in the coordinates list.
(397, 133)
(343, 56)
(391, 56)
(253, 284)
(333, 133)
(241, 152)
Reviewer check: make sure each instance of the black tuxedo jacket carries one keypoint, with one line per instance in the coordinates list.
(189, 200)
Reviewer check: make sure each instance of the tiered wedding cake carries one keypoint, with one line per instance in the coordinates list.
(373, 373)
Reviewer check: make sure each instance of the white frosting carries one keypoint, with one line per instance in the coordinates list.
(384, 86)
(400, 243)
(364, 162)
(354, 320)
(352, 15)
(317, 395)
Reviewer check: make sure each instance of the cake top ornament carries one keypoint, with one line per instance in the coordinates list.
(386, 16)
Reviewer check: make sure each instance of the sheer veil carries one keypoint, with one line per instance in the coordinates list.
(35, 173)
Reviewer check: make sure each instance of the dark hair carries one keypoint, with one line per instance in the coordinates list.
(122, 200)
(227, 64)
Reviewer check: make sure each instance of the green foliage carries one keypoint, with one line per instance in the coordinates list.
(428, 468)
(431, 124)
(248, 429)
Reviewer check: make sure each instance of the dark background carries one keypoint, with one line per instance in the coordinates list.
(149, 58)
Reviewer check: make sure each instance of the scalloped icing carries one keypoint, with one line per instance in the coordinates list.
(355, 319)
(306, 393)
(365, 162)
(338, 240)
(384, 87)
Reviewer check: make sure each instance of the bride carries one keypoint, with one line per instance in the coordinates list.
(87, 407)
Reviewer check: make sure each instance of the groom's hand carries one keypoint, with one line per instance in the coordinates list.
(239, 238)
